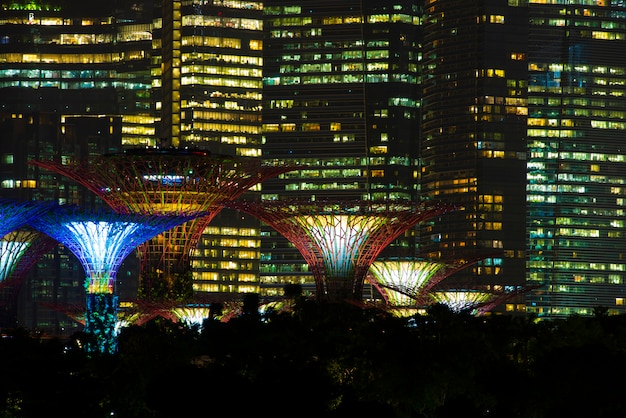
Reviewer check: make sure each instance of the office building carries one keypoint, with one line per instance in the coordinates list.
(523, 119)
(576, 157)
(473, 147)
(207, 78)
(341, 95)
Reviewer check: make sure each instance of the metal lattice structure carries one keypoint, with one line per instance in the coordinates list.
(169, 181)
(101, 241)
(405, 283)
(340, 239)
(19, 251)
(476, 299)
(14, 215)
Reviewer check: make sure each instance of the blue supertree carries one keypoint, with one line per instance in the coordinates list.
(101, 241)
(15, 214)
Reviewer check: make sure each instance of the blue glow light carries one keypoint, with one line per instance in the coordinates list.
(101, 241)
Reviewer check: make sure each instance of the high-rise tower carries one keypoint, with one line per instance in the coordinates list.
(523, 120)
(576, 164)
(473, 145)
(207, 79)
(340, 94)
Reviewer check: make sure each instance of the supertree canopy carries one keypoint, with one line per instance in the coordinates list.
(405, 283)
(101, 241)
(14, 215)
(168, 181)
(340, 239)
(12, 247)
(19, 251)
(476, 299)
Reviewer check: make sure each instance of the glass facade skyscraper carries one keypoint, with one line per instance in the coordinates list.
(341, 95)
(473, 148)
(576, 157)
(207, 79)
(523, 106)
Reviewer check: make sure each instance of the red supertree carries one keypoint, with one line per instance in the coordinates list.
(168, 181)
(340, 239)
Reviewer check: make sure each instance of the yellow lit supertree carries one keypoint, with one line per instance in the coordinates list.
(340, 239)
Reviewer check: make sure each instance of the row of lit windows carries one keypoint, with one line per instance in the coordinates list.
(575, 265)
(236, 103)
(488, 226)
(551, 198)
(485, 110)
(225, 139)
(215, 253)
(589, 179)
(330, 173)
(454, 190)
(613, 223)
(132, 33)
(198, 116)
(225, 58)
(553, 133)
(323, 186)
(576, 156)
(308, 127)
(78, 58)
(218, 42)
(225, 265)
(221, 127)
(31, 19)
(353, 54)
(340, 78)
(211, 41)
(248, 83)
(145, 130)
(575, 68)
(231, 4)
(212, 69)
(18, 184)
(56, 74)
(61, 85)
(599, 124)
(341, 20)
(229, 230)
(503, 100)
(211, 288)
(599, 113)
(222, 22)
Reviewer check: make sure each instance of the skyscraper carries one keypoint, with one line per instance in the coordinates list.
(524, 108)
(207, 80)
(340, 94)
(576, 157)
(473, 147)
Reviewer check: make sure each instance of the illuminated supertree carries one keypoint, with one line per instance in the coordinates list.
(14, 215)
(340, 239)
(101, 241)
(19, 251)
(476, 299)
(404, 283)
(14, 248)
(168, 181)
